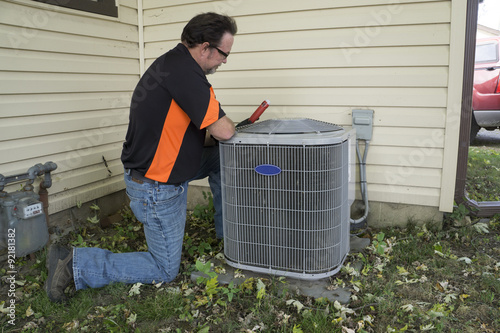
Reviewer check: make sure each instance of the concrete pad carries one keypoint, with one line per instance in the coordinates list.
(357, 244)
(316, 289)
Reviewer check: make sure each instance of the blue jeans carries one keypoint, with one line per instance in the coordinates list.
(162, 211)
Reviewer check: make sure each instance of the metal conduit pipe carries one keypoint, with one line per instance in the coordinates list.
(361, 222)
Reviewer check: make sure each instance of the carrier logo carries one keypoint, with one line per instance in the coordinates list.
(267, 170)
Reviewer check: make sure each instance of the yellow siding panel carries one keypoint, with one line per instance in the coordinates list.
(429, 34)
(34, 61)
(182, 13)
(410, 195)
(162, 33)
(49, 124)
(338, 115)
(403, 157)
(385, 116)
(322, 59)
(29, 82)
(333, 77)
(70, 160)
(128, 15)
(361, 22)
(148, 4)
(39, 104)
(73, 74)
(361, 96)
(129, 4)
(411, 56)
(428, 138)
(21, 38)
(88, 175)
(66, 79)
(410, 117)
(37, 148)
(436, 34)
(414, 56)
(58, 20)
(404, 175)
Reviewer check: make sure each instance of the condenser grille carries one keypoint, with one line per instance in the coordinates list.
(294, 221)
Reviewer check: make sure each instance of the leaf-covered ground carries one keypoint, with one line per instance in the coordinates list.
(415, 279)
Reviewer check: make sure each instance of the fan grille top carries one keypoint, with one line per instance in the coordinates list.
(298, 131)
(290, 126)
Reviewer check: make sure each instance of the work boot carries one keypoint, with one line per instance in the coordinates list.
(60, 266)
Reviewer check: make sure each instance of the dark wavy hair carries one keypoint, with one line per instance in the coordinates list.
(207, 27)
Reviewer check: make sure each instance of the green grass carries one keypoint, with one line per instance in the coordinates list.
(415, 279)
(483, 174)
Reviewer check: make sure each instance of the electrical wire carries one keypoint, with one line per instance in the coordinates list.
(362, 222)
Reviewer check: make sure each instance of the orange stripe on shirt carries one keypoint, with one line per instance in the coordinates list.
(212, 114)
(169, 144)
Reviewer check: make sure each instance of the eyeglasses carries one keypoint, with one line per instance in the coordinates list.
(224, 54)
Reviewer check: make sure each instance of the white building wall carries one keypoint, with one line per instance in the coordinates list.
(66, 78)
(322, 59)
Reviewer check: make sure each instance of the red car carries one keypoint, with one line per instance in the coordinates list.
(486, 91)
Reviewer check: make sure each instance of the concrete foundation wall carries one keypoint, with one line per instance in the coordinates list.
(75, 217)
(383, 214)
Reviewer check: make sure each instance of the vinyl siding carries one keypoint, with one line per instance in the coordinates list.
(66, 78)
(322, 59)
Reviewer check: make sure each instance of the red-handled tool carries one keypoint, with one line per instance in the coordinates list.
(256, 115)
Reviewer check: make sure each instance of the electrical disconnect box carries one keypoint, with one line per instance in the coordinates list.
(362, 121)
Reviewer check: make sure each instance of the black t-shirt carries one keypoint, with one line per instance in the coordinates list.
(171, 107)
